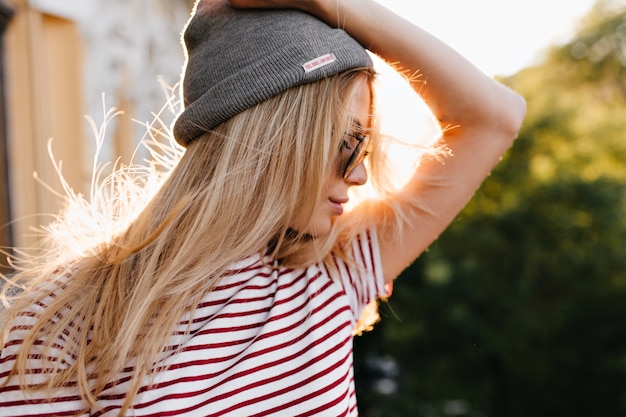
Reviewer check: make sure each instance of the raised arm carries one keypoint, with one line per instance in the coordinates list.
(480, 117)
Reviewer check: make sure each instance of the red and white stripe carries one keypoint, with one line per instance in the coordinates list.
(267, 341)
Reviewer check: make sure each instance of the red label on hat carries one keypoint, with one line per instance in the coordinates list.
(319, 62)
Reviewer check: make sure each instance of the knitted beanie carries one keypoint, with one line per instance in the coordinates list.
(239, 58)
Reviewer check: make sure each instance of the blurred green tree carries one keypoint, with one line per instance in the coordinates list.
(520, 307)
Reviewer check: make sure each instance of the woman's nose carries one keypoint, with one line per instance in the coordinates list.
(358, 175)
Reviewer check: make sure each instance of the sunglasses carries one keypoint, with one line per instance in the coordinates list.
(352, 152)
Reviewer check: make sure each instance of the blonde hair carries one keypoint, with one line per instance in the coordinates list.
(233, 193)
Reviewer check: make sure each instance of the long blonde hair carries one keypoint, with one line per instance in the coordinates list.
(233, 193)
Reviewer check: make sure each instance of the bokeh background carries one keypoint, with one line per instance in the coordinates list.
(519, 309)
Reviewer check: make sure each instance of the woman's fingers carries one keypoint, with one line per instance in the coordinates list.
(261, 4)
(305, 5)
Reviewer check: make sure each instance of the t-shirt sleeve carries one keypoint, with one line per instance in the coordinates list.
(362, 279)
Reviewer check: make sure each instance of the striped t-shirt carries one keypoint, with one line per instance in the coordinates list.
(267, 341)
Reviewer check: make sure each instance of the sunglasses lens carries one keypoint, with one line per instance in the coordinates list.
(357, 156)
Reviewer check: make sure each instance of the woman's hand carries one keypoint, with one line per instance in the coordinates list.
(258, 4)
(305, 5)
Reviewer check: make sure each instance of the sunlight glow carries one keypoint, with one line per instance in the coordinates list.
(117, 193)
(499, 36)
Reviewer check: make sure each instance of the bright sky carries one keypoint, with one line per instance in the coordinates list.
(499, 36)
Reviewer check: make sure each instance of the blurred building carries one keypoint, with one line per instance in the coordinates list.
(61, 61)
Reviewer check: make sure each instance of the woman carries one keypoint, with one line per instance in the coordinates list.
(236, 290)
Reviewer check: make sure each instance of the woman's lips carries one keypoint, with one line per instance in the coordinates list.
(337, 206)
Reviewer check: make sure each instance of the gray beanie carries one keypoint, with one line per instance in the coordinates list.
(239, 58)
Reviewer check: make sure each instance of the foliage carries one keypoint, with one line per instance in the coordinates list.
(518, 309)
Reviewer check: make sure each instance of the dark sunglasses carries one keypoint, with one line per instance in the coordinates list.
(352, 154)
